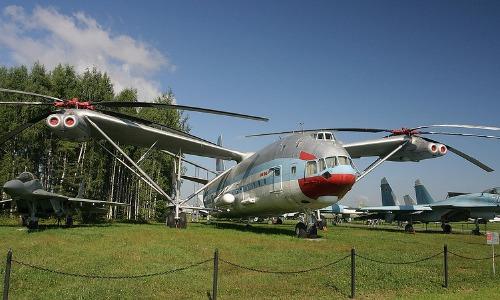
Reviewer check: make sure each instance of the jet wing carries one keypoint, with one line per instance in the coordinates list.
(42, 194)
(466, 206)
(130, 132)
(378, 147)
(81, 200)
(396, 208)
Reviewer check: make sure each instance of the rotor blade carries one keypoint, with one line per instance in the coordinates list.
(347, 129)
(175, 106)
(5, 137)
(26, 103)
(463, 155)
(461, 134)
(29, 93)
(149, 123)
(458, 126)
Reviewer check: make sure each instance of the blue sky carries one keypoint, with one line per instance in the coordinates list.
(323, 63)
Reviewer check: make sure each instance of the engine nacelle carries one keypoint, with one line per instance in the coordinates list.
(69, 126)
(225, 199)
(419, 149)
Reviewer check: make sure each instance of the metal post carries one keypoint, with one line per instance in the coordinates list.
(445, 266)
(6, 279)
(216, 273)
(353, 272)
(493, 258)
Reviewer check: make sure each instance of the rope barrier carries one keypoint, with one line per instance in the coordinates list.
(283, 272)
(399, 263)
(473, 258)
(111, 277)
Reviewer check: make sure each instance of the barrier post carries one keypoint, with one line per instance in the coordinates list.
(6, 278)
(353, 272)
(216, 273)
(445, 252)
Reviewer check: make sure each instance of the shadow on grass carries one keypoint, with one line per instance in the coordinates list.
(44, 227)
(257, 228)
(387, 229)
(276, 229)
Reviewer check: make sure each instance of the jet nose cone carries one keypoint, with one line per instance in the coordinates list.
(13, 187)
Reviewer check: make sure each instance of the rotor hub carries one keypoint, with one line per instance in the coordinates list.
(74, 103)
(405, 131)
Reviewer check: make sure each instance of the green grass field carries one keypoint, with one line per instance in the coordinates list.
(129, 249)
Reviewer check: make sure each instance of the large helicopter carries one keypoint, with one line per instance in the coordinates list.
(305, 171)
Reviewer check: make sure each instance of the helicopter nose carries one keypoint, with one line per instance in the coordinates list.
(13, 187)
(329, 183)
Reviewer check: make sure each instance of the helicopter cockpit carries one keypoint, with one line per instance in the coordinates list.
(324, 135)
(26, 176)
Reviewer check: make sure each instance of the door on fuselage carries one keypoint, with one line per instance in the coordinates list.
(277, 182)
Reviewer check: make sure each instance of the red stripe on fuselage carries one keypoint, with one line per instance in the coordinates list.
(335, 185)
(306, 156)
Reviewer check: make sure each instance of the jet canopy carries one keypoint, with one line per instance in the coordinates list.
(495, 190)
(26, 176)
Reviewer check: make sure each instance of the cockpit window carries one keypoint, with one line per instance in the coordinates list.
(343, 160)
(331, 161)
(26, 176)
(311, 168)
(324, 136)
(322, 164)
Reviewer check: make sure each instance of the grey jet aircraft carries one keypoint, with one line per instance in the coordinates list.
(33, 202)
(462, 207)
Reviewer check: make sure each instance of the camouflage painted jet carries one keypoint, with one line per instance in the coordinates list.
(302, 172)
(33, 202)
(461, 207)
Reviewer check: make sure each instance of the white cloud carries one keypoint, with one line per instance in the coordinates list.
(51, 38)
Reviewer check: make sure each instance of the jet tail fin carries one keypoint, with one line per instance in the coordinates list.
(219, 163)
(423, 196)
(408, 200)
(388, 197)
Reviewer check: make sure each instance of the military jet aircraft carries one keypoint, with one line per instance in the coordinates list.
(33, 202)
(303, 172)
(462, 207)
(339, 213)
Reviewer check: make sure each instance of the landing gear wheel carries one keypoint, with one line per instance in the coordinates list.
(300, 230)
(182, 221)
(279, 221)
(171, 220)
(69, 221)
(476, 231)
(409, 228)
(320, 224)
(24, 221)
(446, 228)
(312, 231)
(32, 224)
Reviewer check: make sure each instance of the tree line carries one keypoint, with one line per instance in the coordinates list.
(83, 168)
